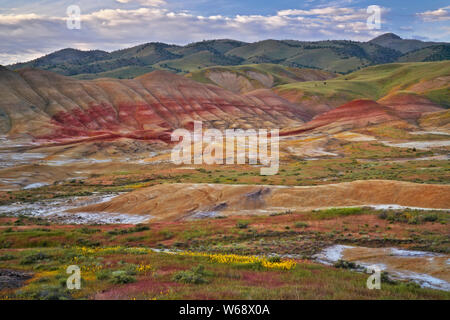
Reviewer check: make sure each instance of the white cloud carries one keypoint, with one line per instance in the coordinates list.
(148, 3)
(110, 29)
(441, 14)
(327, 11)
(7, 59)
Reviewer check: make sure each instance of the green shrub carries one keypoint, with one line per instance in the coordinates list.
(137, 228)
(48, 292)
(43, 280)
(103, 274)
(166, 234)
(345, 264)
(134, 238)
(194, 276)
(282, 213)
(87, 230)
(412, 285)
(242, 224)
(121, 277)
(432, 217)
(34, 258)
(412, 217)
(6, 257)
(274, 259)
(385, 278)
(87, 242)
(4, 244)
(301, 225)
(414, 220)
(337, 212)
(383, 215)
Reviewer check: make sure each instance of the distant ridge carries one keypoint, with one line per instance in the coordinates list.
(341, 56)
(393, 41)
(386, 37)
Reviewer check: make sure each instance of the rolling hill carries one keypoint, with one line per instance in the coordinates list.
(393, 41)
(427, 83)
(333, 56)
(432, 53)
(246, 78)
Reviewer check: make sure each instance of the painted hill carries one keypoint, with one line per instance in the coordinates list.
(48, 106)
(436, 121)
(409, 106)
(54, 108)
(333, 56)
(182, 201)
(358, 113)
(251, 77)
(355, 114)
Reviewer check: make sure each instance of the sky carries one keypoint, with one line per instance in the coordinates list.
(30, 29)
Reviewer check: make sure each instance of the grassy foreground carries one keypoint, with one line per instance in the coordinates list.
(222, 260)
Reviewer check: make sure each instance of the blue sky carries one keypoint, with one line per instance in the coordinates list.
(29, 29)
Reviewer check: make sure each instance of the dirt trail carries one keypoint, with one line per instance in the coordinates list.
(178, 201)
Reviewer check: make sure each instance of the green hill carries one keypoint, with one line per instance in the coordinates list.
(392, 41)
(432, 53)
(376, 82)
(333, 56)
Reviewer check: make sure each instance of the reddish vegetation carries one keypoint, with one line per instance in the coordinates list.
(143, 287)
(267, 279)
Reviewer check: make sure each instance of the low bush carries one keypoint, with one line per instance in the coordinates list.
(412, 217)
(48, 292)
(242, 224)
(121, 277)
(301, 225)
(342, 264)
(166, 234)
(6, 257)
(197, 275)
(274, 259)
(83, 242)
(385, 278)
(103, 274)
(34, 258)
(337, 212)
(138, 228)
(87, 230)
